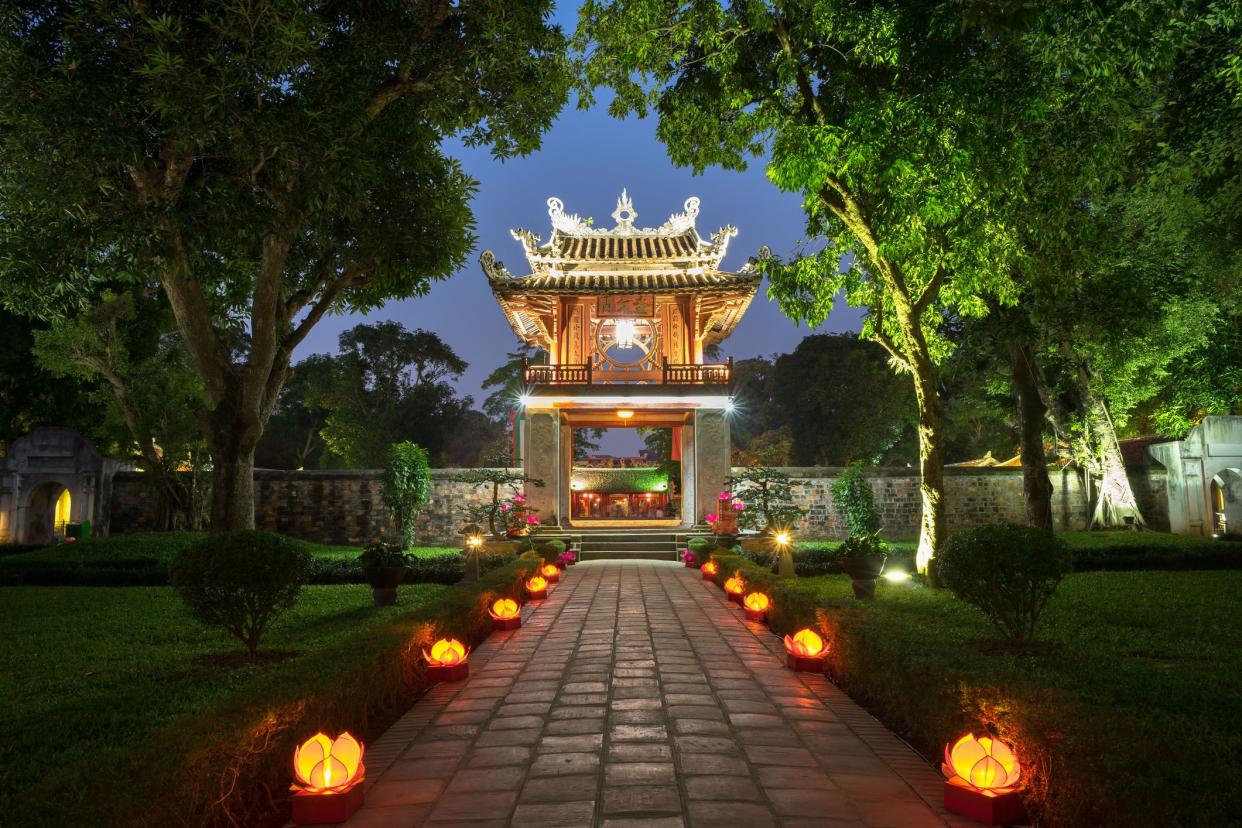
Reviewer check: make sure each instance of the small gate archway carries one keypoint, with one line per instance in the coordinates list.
(1226, 500)
(48, 509)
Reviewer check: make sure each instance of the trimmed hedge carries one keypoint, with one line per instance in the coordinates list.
(1151, 550)
(7, 549)
(791, 609)
(230, 764)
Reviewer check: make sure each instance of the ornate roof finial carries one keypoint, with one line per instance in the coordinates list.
(625, 213)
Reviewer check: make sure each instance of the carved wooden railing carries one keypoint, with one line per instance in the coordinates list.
(690, 374)
(569, 374)
(669, 374)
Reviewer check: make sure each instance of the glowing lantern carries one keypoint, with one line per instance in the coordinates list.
(537, 588)
(709, 570)
(506, 614)
(734, 588)
(447, 660)
(327, 773)
(805, 650)
(981, 778)
(551, 573)
(756, 605)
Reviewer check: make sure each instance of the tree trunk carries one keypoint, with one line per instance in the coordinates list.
(1116, 506)
(232, 437)
(1036, 486)
(931, 461)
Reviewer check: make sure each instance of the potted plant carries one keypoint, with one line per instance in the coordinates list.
(385, 566)
(863, 554)
(863, 558)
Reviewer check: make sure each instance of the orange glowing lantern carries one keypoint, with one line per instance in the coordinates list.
(709, 570)
(327, 773)
(447, 660)
(756, 605)
(537, 588)
(981, 779)
(506, 614)
(551, 573)
(805, 650)
(734, 587)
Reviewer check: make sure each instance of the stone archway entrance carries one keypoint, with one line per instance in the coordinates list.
(1226, 500)
(48, 509)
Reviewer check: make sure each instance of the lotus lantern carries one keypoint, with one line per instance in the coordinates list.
(447, 660)
(506, 614)
(805, 650)
(551, 573)
(734, 587)
(981, 779)
(756, 605)
(327, 772)
(709, 570)
(537, 587)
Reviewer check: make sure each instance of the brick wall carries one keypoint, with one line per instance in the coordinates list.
(345, 507)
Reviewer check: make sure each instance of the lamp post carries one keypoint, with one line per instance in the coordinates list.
(473, 548)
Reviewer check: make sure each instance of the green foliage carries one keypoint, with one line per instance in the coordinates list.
(863, 546)
(240, 581)
(503, 483)
(841, 401)
(852, 495)
(1133, 663)
(382, 555)
(29, 394)
(1010, 572)
(407, 487)
(698, 545)
(767, 496)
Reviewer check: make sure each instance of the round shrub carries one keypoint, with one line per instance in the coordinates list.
(241, 581)
(1008, 571)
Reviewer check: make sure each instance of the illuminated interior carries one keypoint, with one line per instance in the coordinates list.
(63, 511)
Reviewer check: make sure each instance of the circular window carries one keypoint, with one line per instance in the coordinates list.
(626, 341)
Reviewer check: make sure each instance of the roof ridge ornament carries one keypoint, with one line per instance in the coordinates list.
(572, 224)
(624, 215)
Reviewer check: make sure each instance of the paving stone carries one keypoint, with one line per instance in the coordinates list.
(639, 773)
(555, 814)
(464, 806)
(639, 752)
(560, 788)
(641, 799)
(487, 779)
(490, 757)
(562, 764)
(729, 815)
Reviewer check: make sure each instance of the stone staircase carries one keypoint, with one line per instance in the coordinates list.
(612, 543)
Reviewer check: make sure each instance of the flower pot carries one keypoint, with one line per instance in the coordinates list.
(863, 572)
(384, 581)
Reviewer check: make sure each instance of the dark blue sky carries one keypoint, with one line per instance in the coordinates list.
(586, 159)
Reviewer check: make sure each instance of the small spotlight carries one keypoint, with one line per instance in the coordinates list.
(782, 538)
(524, 400)
(730, 406)
(896, 576)
(625, 413)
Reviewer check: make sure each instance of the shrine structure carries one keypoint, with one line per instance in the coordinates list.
(624, 317)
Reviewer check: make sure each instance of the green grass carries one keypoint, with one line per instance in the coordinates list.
(86, 669)
(1135, 716)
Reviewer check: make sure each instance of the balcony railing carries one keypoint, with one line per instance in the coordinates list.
(669, 374)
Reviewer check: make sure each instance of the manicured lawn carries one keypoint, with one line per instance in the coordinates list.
(85, 670)
(1136, 711)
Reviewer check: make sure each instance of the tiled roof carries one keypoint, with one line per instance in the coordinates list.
(596, 248)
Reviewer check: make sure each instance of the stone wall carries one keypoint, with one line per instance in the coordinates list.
(345, 507)
(972, 496)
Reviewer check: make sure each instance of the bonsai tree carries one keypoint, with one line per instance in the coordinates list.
(241, 581)
(386, 566)
(407, 487)
(767, 497)
(504, 482)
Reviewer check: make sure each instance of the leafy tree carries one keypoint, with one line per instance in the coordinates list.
(508, 382)
(30, 395)
(474, 437)
(407, 487)
(292, 438)
(267, 165)
(901, 125)
(501, 481)
(754, 411)
(148, 391)
(840, 401)
(766, 493)
(852, 494)
(386, 386)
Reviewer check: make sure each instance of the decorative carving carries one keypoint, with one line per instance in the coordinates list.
(624, 215)
(494, 268)
(720, 239)
(528, 240)
(572, 223)
(762, 255)
(679, 223)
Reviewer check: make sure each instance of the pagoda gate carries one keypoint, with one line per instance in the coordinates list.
(624, 317)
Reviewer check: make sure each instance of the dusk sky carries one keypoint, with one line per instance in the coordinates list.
(586, 159)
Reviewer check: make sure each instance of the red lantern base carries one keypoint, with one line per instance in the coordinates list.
(513, 623)
(756, 615)
(708, 576)
(537, 596)
(692, 565)
(553, 579)
(319, 809)
(448, 672)
(735, 597)
(804, 664)
(987, 808)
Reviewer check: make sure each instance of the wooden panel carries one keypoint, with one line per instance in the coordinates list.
(627, 306)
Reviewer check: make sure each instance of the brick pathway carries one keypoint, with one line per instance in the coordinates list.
(636, 696)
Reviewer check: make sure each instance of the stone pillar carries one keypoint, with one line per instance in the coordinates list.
(567, 473)
(689, 507)
(711, 455)
(543, 461)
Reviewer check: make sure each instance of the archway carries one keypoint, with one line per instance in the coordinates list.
(1226, 500)
(48, 509)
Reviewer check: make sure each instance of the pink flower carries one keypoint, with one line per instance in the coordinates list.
(532, 519)
(738, 505)
(711, 518)
(519, 498)
(504, 507)
(726, 496)
(687, 555)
